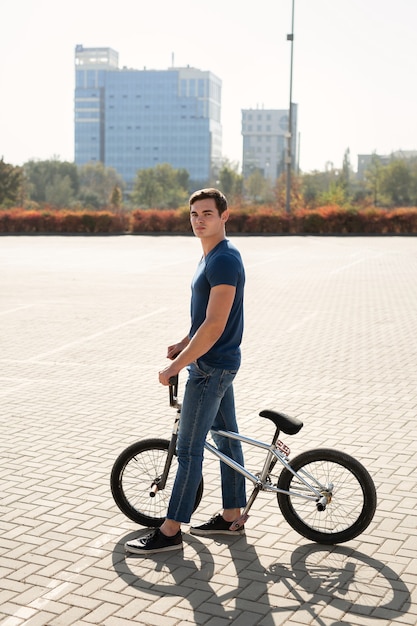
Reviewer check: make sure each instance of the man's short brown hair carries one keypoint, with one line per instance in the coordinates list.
(218, 197)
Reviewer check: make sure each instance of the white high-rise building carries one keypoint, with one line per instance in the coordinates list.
(265, 141)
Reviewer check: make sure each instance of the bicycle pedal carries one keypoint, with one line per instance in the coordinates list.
(239, 522)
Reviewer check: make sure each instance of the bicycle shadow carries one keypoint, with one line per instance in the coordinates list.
(317, 575)
(349, 580)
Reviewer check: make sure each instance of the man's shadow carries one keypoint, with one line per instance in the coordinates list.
(178, 573)
(352, 582)
(170, 573)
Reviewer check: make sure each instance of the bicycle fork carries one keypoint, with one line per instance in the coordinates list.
(161, 481)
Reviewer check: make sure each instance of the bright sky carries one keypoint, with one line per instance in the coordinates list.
(354, 71)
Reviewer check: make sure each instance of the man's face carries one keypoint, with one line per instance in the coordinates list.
(205, 219)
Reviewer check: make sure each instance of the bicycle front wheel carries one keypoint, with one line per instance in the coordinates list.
(348, 496)
(134, 475)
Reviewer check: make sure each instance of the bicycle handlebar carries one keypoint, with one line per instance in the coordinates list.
(173, 386)
(173, 390)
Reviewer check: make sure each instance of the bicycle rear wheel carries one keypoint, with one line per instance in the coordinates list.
(347, 490)
(135, 472)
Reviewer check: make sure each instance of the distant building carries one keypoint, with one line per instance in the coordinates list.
(132, 119)
(265, 141)
(365, 160)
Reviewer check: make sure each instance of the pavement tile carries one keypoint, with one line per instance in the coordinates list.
(329, 337)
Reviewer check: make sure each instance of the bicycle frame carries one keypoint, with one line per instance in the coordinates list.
(273, 455)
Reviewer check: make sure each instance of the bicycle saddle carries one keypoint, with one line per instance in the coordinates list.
(288, 425)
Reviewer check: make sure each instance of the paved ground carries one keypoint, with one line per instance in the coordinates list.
(330, 337)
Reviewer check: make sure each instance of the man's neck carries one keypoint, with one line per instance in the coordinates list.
(209, 244)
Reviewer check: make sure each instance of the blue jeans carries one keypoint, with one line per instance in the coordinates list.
(208, 403)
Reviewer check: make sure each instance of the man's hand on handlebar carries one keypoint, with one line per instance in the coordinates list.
(176, 348)
(172, 370)
(167, 373)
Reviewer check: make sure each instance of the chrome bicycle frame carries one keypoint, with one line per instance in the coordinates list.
(260, 481)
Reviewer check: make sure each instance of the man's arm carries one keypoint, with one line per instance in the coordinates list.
(217, 313)
(176, 348)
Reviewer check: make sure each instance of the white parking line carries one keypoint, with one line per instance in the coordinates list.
(361, 260)
(110, 329)
(303, 321)
(7, 392)
(19, 308)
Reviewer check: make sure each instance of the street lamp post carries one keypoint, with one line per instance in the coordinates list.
(290, 37)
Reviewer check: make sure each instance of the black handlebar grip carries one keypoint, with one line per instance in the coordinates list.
(173, 390)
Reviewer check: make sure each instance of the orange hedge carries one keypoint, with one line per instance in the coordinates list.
(69, 222)
(327, 220)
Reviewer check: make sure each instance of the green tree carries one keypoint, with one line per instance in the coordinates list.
(11, 180)
(255, 185)
(336, 194)
(258, 188)
(413, 182)
(43, 180)
(230, 181)
(182, 178)
(59, 192)
(147, 191)
(344, 180)
(315, 185)
(161, 187)
(373, 177)
(296, 195)
(97, 183)
(396, 183)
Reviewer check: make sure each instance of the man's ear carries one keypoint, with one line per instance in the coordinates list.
(225, 216)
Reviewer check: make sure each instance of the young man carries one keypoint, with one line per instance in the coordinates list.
(211, 351)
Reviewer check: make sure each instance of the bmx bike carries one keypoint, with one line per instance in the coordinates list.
(324, 494)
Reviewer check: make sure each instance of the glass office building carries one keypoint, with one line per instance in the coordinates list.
(132, 119)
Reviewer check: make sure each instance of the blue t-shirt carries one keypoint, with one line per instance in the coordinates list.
(222, 266)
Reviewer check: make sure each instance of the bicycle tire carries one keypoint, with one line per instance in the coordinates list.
(134, 473)
(351, 507)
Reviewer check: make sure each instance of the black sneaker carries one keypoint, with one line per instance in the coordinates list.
(217, 525)
(155, 542)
